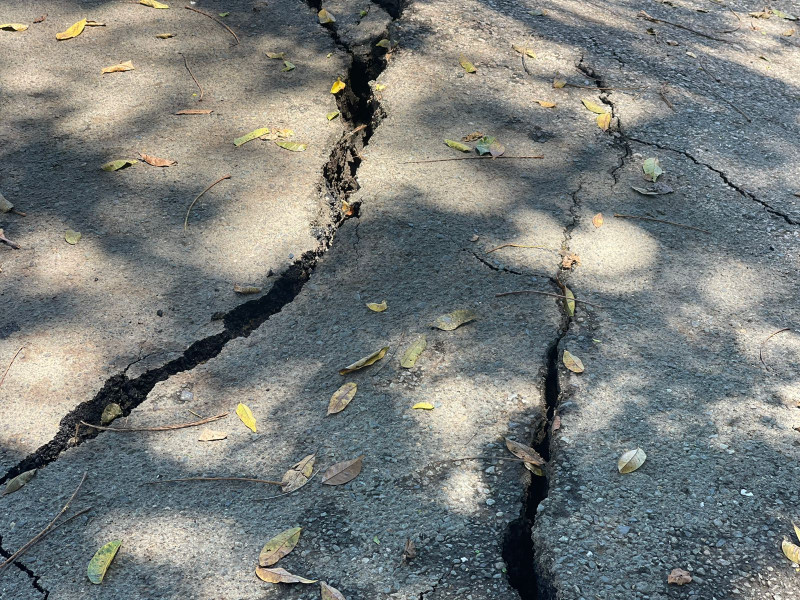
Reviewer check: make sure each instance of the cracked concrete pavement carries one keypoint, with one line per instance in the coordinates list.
(672, 340)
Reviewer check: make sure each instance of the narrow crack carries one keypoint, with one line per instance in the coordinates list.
(493, 267)
(34, 579)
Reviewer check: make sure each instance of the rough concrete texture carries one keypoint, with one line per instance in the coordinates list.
(673, 341)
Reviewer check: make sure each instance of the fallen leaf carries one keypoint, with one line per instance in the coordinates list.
(157, 162)
(40, 19)
(72, 237)
(287, 66)
(466, 65)
(246, 289)
(572, 362)
(546, 104)
(535, 469)
(18, 481)
(652, 169)
(332, 115)
(153, 3)
(165, 36)
(292, 146)
(95, 24)
(5, 205)
(116, 165)
(788, 32)
(423, 406)
(796, 531)
(489, 145)
(279, 546)
(783, 15)
(377, 307)
(631, 460)
(458, 146)
(325, 17)
(338, 86)
(365, 362)
(409, 550)
(347, 210)
(569, 302)
(556, 423)
(249, 137)
(110, 412)
(384, 43)
(604, 121)
(559, 83)
(14, 26)
(194, 111)
(412, 353)
(211, 435)
(455, 319)
(246, 415)
(223, 14)
(330, 593)
(279, 575)
(276, 55)
(692, 54)
(764, 14)
(73, 31)
(101, 560)
(523, 50)
(791, 551)
(362, 13)
(570, 259)
(597, 221)
(595, 108)
(298, 475)
(526, 453)
(342, 397)
(471, 137)
(679, 577)
(343, 472)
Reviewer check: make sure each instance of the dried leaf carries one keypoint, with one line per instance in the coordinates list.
(110, 412)
(412, 353)
(18, 481)
(279, 575)
(796, 531)
(153, 3)
(652, 169)
(347, 210)
(546, 104)
(454, 319)
(246, 415)
(40, 19)
(679, 577)
(526, 453)
(73, 31)
(475, 135)
(298, 475)
(330, 593)
(377, 307)
(116, 165)
(5, 205)
(658, 189)
(365, 362)
(423, 406)
(325, 17)
(559, 83)
(384, 43)
(157, 162)
(211, 435)
(332, 115)
(276, 55)
(287, 66)
(523, 50)
(292, 146)
(342, 397)
(72, 237)
(409, 550)
(194, 111)
(569, 303)
(279, 546)
(101, 560)
(604, 121)
(466, 65)
(165, 36)
(570, 259)
(556, 423)
(535, 469)
(95, 24)
(631, 460)
(597, 220)
(788, 32)
(595, 108)
(246, 289)
(249, 137)
(343, 472)
(458, 146)
(14, 26)
(573, 363)
(791, 551)
(338, 86)
(489, 145)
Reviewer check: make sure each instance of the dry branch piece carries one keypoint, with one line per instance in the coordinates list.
(645, 16)
(247, 479)
(188, 210)
(433, 160)
(200, 87)
(519, 246)
(9, 365)
(5, 240)
(160, 428)
(761, 348)
(514, 293)
(205, 14)
(659, 221)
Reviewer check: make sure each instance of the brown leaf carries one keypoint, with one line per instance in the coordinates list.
(40, 19)
(409, 551)
(194, 111)
(475, 135)
(343, 472)
(119, 68)
(211, 435)
(597, 220)
(556, 423)
(569, 259)
(679, 577)
(298, 475)
(157, 162)
(341, 397)
(526, 453)
(279, 575)
(330, 593)
(246, 289)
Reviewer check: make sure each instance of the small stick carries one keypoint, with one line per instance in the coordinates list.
(643, 15)
(218, 479)
(593, 87)
(200, 87)
(188, 210)
(663, 93)
(212, 17)
(293, 491)
(738, 27)
(19, 212)
(761, 348)
(195, 414)
(355, 131)
(660, 221)
(514, 293)
(433, 160)
(3, 378)
(46, 530)
(5, 240)
(519, 246)
(160, 428)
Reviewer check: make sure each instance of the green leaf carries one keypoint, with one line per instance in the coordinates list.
(454, 319)
(18, 481)
(458, 146)
(101, 560)
(384, 43)
(279, 546)
(652, 169)
(116, 165)
(783, 15)
(467, 66)
(223, 15)
(276, 55)
(287, 66)
(489, 145)
(332, 115)
(412, 353)
(362, 13)
(293, 146)
(72, 237)
(251, 136)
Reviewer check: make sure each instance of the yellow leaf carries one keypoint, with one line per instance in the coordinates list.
(325, 17)
(72, 238)
(631, 460)
(376, 307)
(559, 83)
(458, 146)
(468, 66)
(165, 36)
(246, 415)
(338, 86)
(74, 31)
(604, 121)
(116, 165)
(796, 530)
(546, 104)
(279, 575)
(411, 355)
(279, 546)
(523, 50)
(573, 363)
(365, 362)
(292, 146)
(14, 26)
(454, 319)
(791, 551)
(248, 137)
(595, 108)
(342, 397)
(597, 220)
(379, 87)
(101, 560)
(298, 475)
(332, 115)
(113, 410)
(124, 66)
(526, 453)
(423, 406)
(153, 4)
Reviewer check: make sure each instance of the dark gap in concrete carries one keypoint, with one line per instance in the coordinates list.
(31, 575)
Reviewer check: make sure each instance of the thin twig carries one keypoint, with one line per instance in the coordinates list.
(355, 131)
(215, 19)
(5, 240)
(188, 210)
(433, 160)
(738, 27)
(592, 87)
(218, 479)
(663, 93)
(200, 87)
(519, 246)
(660, 221)
(46, 530)
(643, 15)
(2, 379)
(160, 428)
(761, 348)
(293, 491)
(514, 293)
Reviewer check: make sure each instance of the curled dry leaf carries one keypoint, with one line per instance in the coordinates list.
(246, 289)
(116, 165)
(597, 220)
(412, 353)
(279, 546)
(423, 406)
(72, 237)
(377, 306)
(631, 460)
(343, 472)
(330, 593)
(526, 453)
(791, 551)
(342, 397)
(471, 137)
(466, 65)
(165, 36)
(211, 435)
(325, 17)
(246, 415)
(409, 550)
(604, 121)
(194, 111)
(796, 531)
(73, 31)
(338, 86)
(679, 577)
(291, 146)
(546, 104)
(454, 319)
(101, 560)
(14, 26)
(248, 137)
(572, 362)
(279, 575)
(110, 412)
(556, 423)
(153, 3)
(18, 481)
(40, 19)
(156, 161)
(458, 146)
(366, 361)
(524, 50)
(298, 475)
